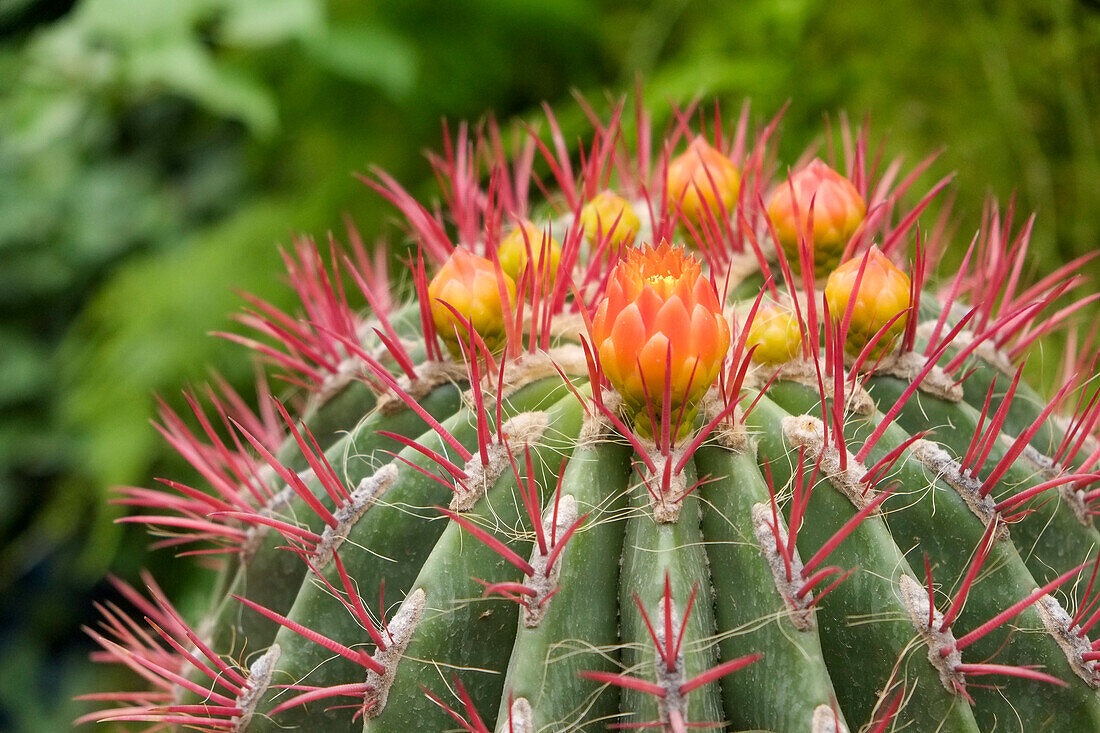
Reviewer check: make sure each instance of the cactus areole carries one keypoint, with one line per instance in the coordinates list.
(632, 458)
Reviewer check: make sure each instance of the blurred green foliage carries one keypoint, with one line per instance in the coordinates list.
(153, 154)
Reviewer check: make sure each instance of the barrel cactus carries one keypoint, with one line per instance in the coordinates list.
(697, 440)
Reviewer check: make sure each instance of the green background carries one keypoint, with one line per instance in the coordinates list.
(154, 155)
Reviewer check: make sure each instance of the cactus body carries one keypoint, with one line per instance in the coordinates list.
(873, 525)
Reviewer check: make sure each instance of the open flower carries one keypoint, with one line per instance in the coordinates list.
(883, 294)
(837, 207)
(468, 284)
(660, 316)
(700, 178)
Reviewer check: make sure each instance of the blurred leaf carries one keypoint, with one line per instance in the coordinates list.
(369, 55)
(187, 67)
(35, 121)
(135, 20)
(33, 451)
(68, 54)
(147, 330)
(109, 209)
(35, 274)
(258, 23)
(27, 669)
(23, 370)
(10, 10)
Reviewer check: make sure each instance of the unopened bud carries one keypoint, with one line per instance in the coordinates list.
(838, 210)
(775, 333)
(702, 180)
(883, 294)
(469, 284)
(526, 240)
(609, 217)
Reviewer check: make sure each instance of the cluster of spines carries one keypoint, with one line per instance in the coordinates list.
(235, 477)
(166, 652)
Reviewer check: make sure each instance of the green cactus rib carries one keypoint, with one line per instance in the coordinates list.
(489, 517)
(459, 629)
(271, 576)
(1005, 581)
(986, 378)
(782, 691)
(341, 408)
(654, 553)
(1051, 539)
(1023, 410)
(864, 626)
(331, 418)
(390, 542)
(581, 633)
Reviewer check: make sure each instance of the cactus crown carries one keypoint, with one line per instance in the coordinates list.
(656, 464)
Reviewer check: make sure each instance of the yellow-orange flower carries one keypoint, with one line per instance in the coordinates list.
(658, 304)
(838, 212)
(468, 283)
(610, 216)
(883, 294)
(775, 334)
(513, 249)
(700, 178)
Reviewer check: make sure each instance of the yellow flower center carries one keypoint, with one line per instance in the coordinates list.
(662, 283)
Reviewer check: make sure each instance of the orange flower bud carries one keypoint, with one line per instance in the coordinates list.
(658, 302)
(468, 283)
(610, 216)
(883, 293)
(513, 249)
(775, 334)
(838, 212)
(699, 178)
